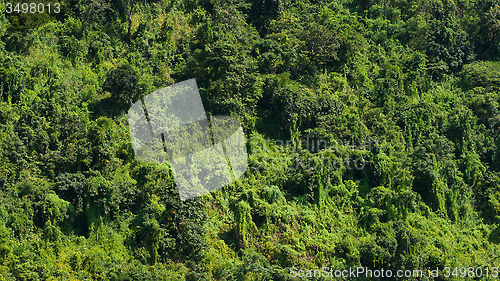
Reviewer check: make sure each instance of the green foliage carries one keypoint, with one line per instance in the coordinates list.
(122, 82)
(406, 90)
(481, 74)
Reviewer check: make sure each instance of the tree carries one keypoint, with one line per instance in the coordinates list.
(122, 82)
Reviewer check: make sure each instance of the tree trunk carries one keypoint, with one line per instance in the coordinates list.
(130, 20)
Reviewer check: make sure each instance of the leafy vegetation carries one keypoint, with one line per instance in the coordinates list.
(418, 79)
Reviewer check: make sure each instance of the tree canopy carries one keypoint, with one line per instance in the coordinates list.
(372, 132)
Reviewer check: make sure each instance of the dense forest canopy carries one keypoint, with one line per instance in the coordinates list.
(372, 133)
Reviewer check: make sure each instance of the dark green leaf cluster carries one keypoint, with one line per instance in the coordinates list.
(372, 133)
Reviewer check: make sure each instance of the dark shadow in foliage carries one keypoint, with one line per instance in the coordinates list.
(93, 199)
(271, 127)
(70, 187)
(123, 84)
(296, 186)
(230, 238)
(105, 107)
(495, 235)
(262, 12)
(486, 33)
(270, 109)
(24, 22)
(173, 230)
(171, 236)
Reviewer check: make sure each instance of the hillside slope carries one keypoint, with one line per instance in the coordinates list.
(372, 130)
